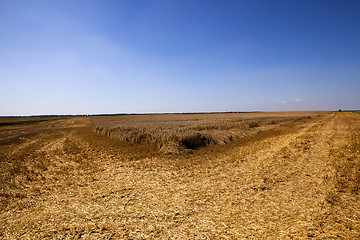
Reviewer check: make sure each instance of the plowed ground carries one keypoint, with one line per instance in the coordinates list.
(62, 180)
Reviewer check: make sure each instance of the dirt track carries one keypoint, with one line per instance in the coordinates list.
(62, 180)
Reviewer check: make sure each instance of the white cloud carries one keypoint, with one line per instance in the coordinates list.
(298, 100)
(283, 102)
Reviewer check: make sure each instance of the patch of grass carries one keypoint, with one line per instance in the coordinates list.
(28, 121)
(189, 131)
(254, 124)
(195, 141)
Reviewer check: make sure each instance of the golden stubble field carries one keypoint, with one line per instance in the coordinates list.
(290, 175)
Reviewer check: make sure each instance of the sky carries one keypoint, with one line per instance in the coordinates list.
(133, 56)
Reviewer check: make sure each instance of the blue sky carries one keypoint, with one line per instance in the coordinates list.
(87, 57)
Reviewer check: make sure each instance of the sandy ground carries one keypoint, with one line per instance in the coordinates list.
(61, 180)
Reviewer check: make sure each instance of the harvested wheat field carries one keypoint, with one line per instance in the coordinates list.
(289, 175)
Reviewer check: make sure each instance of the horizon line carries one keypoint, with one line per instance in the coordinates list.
(159, 113)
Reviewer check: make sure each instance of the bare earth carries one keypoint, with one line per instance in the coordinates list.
(295, 180)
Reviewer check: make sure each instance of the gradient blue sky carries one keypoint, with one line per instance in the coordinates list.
(87, 57)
